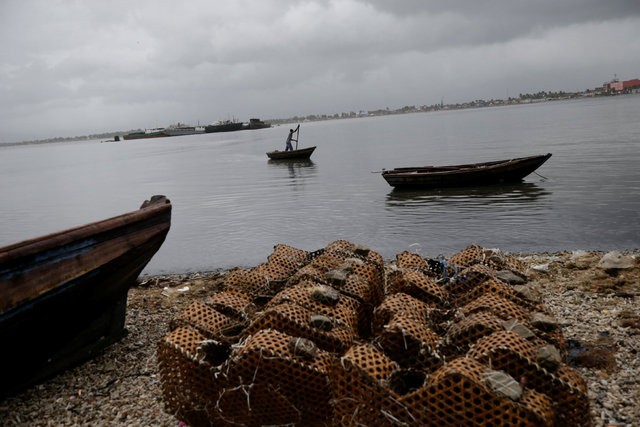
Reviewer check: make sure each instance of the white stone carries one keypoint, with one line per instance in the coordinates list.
(615, 261)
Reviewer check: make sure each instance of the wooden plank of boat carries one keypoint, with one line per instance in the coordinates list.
(63, 296)
(474, 174)
(302, 153)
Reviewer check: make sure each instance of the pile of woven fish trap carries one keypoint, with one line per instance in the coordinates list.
(336, 337)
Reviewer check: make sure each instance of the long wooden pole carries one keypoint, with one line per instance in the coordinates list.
(297, 135)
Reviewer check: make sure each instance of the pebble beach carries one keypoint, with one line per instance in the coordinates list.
(596, 305)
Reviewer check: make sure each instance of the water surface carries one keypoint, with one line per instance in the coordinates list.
(231, 204)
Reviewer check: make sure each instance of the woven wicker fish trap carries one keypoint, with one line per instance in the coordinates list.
(334, 337)
(410, 343)
(498, 288)
(496, 260)
(409, 260)
(528, 360)
(401, 304)
(463, 334)
(418, 285)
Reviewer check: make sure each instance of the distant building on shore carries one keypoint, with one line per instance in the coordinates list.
(615, 86)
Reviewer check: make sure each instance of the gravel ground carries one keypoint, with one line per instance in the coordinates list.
(599, 313)
(600, 316)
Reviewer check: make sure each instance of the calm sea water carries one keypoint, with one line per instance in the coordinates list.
(232, 205)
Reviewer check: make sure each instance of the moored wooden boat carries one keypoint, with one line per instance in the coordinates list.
(63, 295)
(302, 153)
(486, 173)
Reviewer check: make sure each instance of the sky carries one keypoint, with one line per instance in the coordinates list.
(70, 68)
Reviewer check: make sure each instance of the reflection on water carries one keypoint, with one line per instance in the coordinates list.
(287, 162)
(296, 168)
(291, 164)
(504, 215)
(518, 193)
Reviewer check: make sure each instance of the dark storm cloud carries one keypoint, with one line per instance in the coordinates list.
(71, 68)
(496, 21)
(525, 14)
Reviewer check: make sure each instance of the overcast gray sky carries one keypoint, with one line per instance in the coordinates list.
(72, 68)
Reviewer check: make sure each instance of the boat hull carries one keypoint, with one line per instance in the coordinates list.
(225, 127)
(257, 124)
(143, 135)
(303, 153)
(488, 173)
(183, 131)
(63, 296)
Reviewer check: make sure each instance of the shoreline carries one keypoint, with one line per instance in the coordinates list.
(595, 308)
(459, 106)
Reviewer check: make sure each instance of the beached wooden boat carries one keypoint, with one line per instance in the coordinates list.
(63, 296)
(302, 153)
(486, 173)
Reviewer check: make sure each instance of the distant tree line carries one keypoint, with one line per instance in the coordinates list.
(547, 95)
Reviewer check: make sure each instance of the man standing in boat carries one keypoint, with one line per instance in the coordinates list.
(289, 147)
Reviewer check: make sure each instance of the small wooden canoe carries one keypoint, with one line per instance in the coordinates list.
(475, 174)
(302, 153)
(63, 296)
